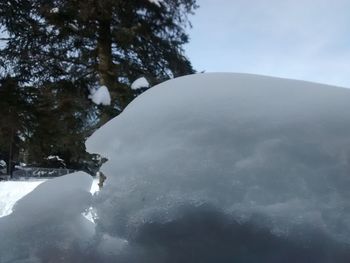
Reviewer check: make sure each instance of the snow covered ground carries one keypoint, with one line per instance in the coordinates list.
(12, 191)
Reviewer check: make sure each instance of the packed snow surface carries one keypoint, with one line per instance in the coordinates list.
(205, 168)
(266, 153)
(140, 83)
(101, 96)
(12, 191)
(48, 221)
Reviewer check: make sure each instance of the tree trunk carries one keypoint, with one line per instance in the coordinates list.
(104, 50)
(107, 70)
(10, 156)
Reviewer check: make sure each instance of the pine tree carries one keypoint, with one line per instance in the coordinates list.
(60, 117)
(15, 120)
(105, 42)
(62, 49)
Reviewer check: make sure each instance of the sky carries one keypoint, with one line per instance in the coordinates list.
(297, 39)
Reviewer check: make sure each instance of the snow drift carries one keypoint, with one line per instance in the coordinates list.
(11, 192)
(209, 168)
(204, 168)
(47, 225)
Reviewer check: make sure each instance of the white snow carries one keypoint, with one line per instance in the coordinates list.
(140, 83)
(156, 2)
(264, 151)
(54, 157)
(54, 10)
(204, 168)
(101, 96)
(12, 191)
(48, 220)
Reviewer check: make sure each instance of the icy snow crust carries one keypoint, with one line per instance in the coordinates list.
(204, 168)
(247, 153)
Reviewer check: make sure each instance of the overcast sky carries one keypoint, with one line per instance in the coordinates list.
(299, 39)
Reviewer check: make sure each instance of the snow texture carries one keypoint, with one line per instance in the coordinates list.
(12, 191)
(48, 221)
(101, 96)
(140, 83)
(204, 168)
(207, 163)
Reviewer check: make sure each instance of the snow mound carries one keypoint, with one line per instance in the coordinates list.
(140, 83)
(247, 153)
(203, 168)
(101, 96)
(12, 191)
(47, 223)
